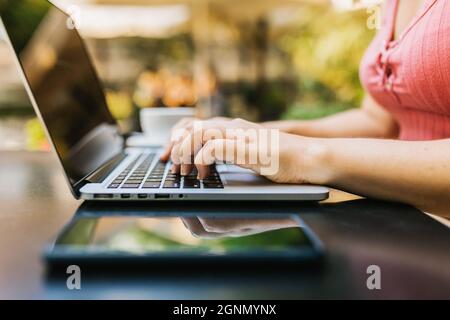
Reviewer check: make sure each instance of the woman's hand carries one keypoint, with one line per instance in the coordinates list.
(213, 228)
(180, 130)
(281, 157)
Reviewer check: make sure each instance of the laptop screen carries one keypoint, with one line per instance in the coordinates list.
(63, 85)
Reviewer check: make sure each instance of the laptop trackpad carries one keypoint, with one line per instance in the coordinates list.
(234, 176)
(243, 179)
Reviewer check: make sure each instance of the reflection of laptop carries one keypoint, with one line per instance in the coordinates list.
(67, 96)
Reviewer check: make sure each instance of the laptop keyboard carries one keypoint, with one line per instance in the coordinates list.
(160, 177)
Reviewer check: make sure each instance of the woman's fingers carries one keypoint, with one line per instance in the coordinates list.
(201, 131)
(174, 157)
(165, 156)
(178, 131)
(177, 154)
(176, 147)
(197, 230)
(188, 149)
(226, 150)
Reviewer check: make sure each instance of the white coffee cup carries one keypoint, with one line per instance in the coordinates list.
(157, 123)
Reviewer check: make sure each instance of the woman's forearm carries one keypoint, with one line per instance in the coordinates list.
(369, 121)
(348, 124)
(417, 173)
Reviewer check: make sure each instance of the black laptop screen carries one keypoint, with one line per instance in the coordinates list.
(63, 84)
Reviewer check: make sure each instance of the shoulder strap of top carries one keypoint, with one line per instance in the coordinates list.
(391, 18)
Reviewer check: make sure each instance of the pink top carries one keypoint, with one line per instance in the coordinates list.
(410, 76)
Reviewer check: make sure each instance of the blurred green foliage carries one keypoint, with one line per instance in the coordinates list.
(313, 111)
(326, 49)
(23, 15)
(177, 49)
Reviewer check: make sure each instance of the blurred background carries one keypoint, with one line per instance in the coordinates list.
(255, 59)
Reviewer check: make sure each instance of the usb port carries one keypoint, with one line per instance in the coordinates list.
(103, 196)
(162, 196)
(125, 196)
(142, 196)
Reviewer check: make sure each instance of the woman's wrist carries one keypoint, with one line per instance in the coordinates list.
(287, 126)
(315, 160)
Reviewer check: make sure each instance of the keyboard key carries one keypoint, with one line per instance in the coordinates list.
(191, 184)
(212, 182)
(151, 185)
(173, 179)
(193, 175)
(213, 186)
(191, 179)
(173, 175)
(171, 185)
(194, 186)
(130, 186)
(212, 179)
(113, 186)
(156, 176)
(133, 182)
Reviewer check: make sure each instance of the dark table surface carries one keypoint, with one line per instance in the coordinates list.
(411, 249)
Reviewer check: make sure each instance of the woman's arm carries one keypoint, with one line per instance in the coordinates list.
(417, 173)
(369, 121)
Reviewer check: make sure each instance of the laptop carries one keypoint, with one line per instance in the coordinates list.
(68, 97)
